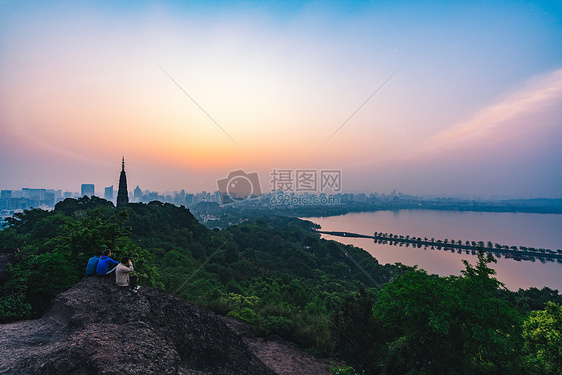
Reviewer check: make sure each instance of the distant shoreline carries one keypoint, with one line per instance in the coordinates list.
(317, 211)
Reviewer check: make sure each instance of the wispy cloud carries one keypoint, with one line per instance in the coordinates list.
(538, 93)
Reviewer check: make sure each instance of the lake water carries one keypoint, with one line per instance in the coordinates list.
(520, 229)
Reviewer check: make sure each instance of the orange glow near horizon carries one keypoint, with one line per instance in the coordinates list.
(91, 83)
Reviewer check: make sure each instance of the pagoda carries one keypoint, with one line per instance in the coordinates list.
(122, 194)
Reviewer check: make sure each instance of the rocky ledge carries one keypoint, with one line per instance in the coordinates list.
(97, 327)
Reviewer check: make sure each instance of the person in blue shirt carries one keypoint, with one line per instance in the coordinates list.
(93, 263)
(105, 262)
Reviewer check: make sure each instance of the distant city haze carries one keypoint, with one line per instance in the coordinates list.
(425, 97)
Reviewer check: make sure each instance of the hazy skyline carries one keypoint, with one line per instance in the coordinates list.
(475, 107)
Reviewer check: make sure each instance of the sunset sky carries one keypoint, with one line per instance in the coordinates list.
(470, 103)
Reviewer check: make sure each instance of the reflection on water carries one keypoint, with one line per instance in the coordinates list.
(519, 229)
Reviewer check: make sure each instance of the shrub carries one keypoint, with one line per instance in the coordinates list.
(246, 314)
(343, 370)
(13, 307)
(274, 325)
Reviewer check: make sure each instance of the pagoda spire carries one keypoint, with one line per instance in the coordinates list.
(122, 193)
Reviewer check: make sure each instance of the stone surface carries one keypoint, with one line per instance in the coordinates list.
(97, 327)
(283, 357)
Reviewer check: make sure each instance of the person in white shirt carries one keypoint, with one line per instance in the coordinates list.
(123, 275)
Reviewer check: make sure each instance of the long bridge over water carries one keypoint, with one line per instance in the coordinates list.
(514, 252)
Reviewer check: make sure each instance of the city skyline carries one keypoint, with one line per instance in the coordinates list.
(428, 98)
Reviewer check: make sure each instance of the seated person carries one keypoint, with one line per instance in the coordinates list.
(93, 263)
(105, 261)
(123, 275)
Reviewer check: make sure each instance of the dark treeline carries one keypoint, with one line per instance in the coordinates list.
(408, 202)
(277, 274)
(515, 252)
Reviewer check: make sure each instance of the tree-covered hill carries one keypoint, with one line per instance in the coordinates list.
(278, 275)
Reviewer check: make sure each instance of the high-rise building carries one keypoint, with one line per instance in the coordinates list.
(122, 194)
(87, 189)
(108, 193)
(138, 194)
(6, 194)
(6, 200)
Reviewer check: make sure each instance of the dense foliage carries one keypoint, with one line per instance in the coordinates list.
(278, 275)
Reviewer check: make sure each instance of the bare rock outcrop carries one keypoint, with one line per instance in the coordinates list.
(97, 327)
(283, 357)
